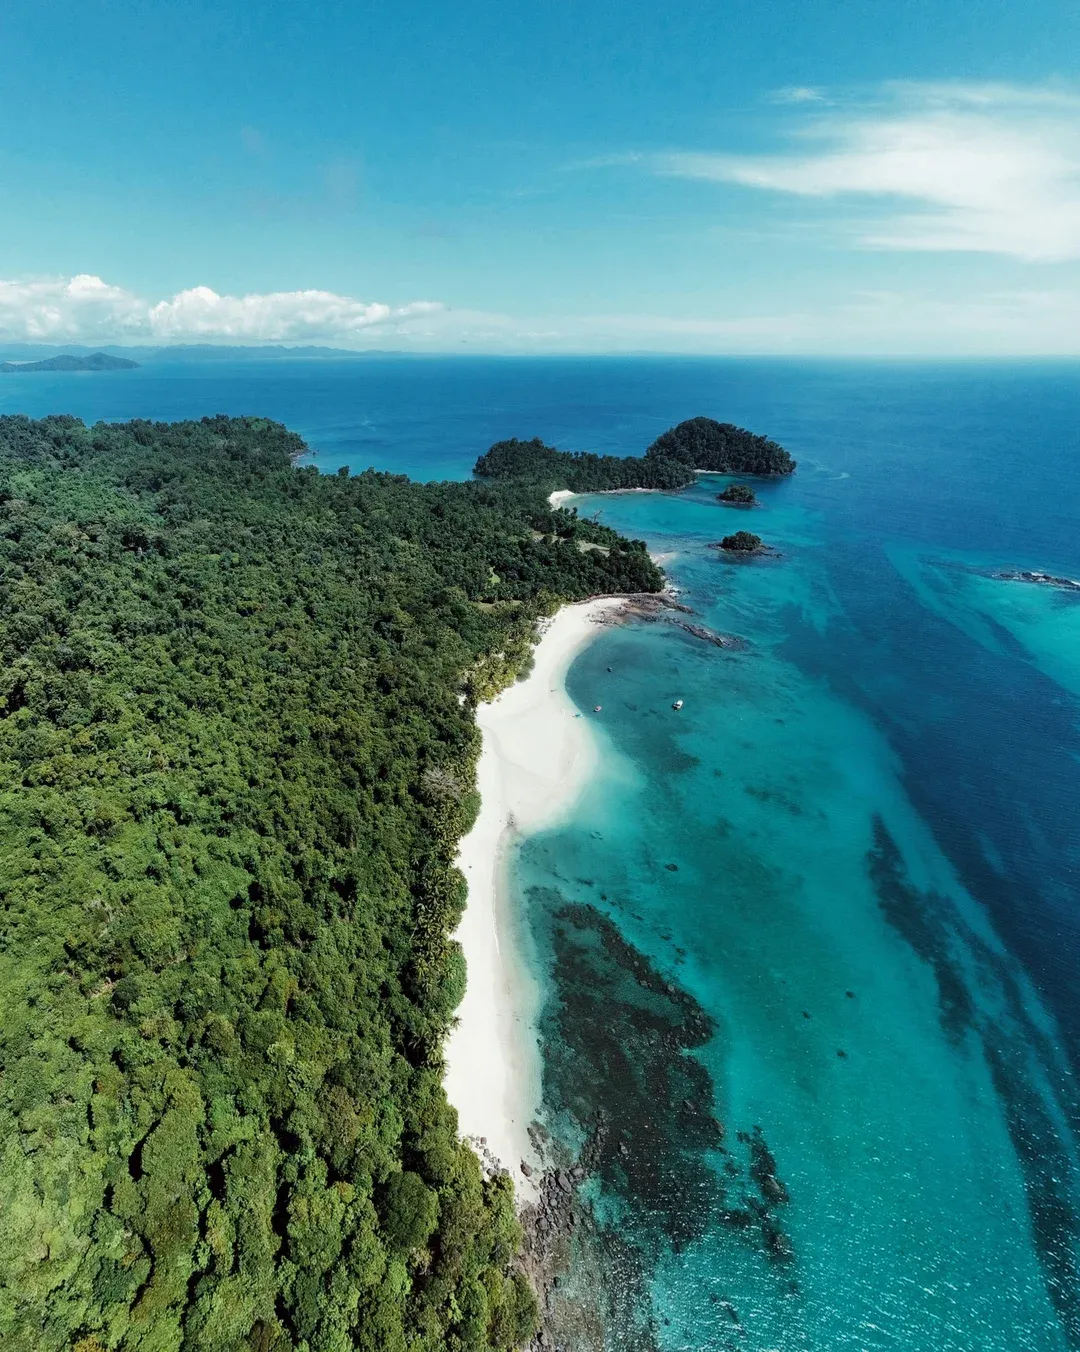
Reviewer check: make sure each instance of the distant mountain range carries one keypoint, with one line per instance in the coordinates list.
(96, 361)
(21, 353)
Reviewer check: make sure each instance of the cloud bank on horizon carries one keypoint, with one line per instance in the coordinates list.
(86, 309)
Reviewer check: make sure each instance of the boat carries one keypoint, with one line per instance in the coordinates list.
(596, 708)
(677, 705)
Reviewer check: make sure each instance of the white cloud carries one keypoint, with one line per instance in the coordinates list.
(797, 94)
(986, 169)
(1003, 322)
(68, 310)
(276, 315)
(85, 309)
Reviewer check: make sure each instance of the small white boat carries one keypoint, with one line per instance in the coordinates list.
(677, 705)
(596, 708)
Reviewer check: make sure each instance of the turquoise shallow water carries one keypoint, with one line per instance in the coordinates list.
(762, 852)
(878, 795)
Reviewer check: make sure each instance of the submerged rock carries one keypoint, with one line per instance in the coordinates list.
(1042, 579)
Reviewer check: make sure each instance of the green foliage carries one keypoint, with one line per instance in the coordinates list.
(580, 471)
(743, 541)
(670, 462)
(742, 495)
(722, 448)
(410, 1210)
(237, 750)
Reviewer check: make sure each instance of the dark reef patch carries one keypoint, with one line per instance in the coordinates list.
(620, 1054)
(1011, 1044)
(1049, 1184)
(917, 917)
(621, 1074)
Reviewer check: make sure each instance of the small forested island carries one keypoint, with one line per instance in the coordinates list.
(238, 750)
(96, 361)
(672, 461)
(738, 495)
(722, 448)
(742, 542)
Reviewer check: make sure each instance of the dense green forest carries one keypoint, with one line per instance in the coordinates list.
(740, 495)
(580, 471)
(670, 462)
(722, 448)
(237, 750)
(742, 542)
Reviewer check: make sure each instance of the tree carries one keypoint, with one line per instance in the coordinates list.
(409, 1211)
(742, 542)
(722, 448)
(741, 495)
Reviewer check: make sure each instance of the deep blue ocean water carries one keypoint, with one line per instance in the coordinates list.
(810, 945)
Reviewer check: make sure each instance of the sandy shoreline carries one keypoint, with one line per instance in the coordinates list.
(536, 757)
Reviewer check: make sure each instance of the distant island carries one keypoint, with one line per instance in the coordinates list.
(738, 495)
(153, 355)
(742, 542)
(672, 461)
(97, 361)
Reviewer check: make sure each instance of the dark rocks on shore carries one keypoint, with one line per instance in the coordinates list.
(650, 605)
(710, 636)
(657, 606)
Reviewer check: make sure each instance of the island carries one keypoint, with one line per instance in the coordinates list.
(738, 495)
(742, 542)
(96, 361)
(722, 448)
(239, 745)
(699, 445)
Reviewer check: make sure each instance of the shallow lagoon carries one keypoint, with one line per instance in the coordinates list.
(868, 1019)
(853, 850)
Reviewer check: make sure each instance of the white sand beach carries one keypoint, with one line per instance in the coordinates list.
(536, 757)
(560, 495)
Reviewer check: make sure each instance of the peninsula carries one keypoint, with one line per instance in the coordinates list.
(699, 445)
(239, 743)
(245, 709)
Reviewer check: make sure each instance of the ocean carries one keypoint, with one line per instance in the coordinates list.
(808, 946)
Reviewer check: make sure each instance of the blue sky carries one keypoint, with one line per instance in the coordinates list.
(794, 176)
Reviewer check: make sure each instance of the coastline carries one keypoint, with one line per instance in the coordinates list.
(560, 495)
(535, 759)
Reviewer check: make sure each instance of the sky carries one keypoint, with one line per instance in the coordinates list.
(753, 176)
